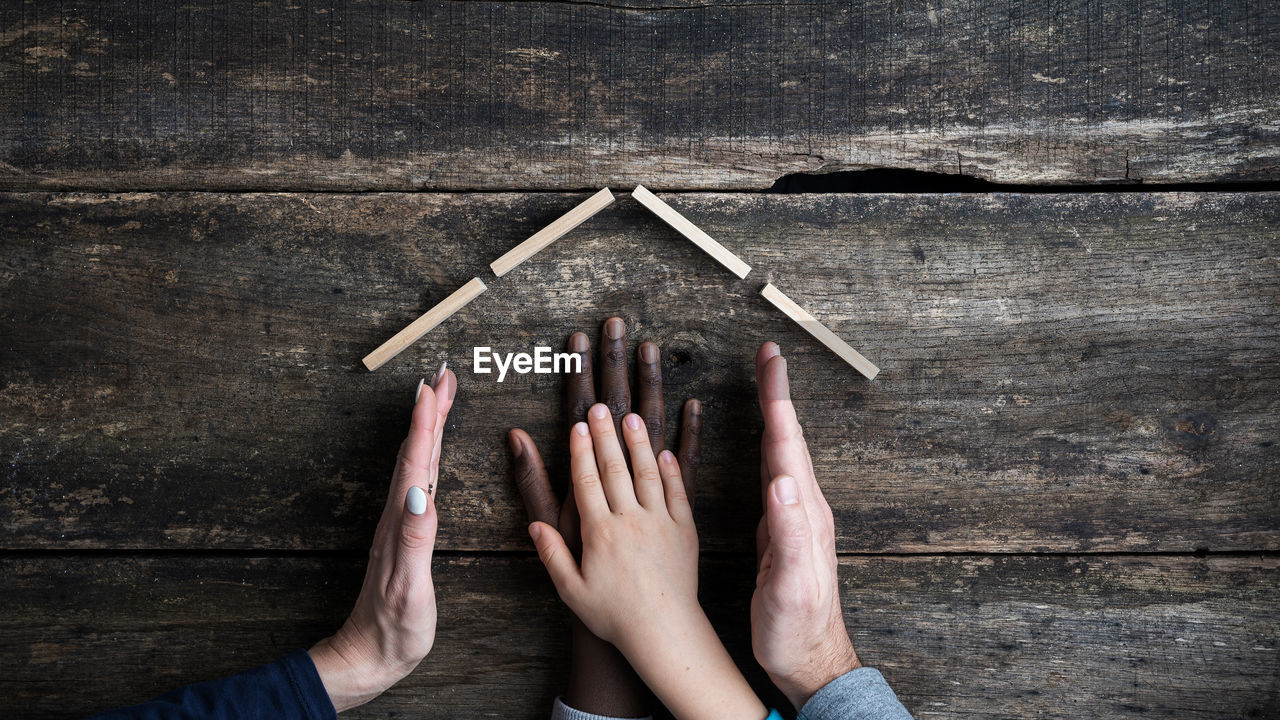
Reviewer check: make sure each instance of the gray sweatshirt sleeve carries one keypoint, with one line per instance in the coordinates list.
(860, 694)
(561, 711)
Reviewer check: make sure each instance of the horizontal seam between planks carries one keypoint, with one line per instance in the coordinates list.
(33, 553)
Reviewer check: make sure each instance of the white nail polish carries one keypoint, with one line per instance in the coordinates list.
(416, 500)
(435, 381)
(418, 395)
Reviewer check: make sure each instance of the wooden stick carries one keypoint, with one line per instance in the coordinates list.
(691, 231)
(424, 324)
(820, 331)
(552, 232)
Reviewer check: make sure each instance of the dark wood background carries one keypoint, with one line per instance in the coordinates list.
(1058, 499)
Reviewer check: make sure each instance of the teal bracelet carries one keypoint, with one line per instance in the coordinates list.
(774, 715)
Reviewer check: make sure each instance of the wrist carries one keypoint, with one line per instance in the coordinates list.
(350, 676)
(691, 672)
(824, 665)
(601, 681)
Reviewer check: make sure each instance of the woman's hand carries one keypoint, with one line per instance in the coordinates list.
(393, 624)
(601, 681)
(797, 624)
(637, 583)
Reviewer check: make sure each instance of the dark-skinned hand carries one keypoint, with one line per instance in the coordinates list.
(600, 679)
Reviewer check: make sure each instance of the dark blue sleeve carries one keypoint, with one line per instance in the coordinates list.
(287, 689)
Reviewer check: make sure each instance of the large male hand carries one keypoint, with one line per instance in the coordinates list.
(797, 625)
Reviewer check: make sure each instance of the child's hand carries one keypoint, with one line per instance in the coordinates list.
(639, 547)
(601, 681)
(637, 586)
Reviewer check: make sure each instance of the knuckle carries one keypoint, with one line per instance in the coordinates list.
(527, 478)
(693, 427)
(691, 457)
(794, 599)
(618, 405)
(795, 534)
(415, 537)
(547, 512)
(615, 467)
(614, 357)
(579, 406)
(791, 434)
(547, 553)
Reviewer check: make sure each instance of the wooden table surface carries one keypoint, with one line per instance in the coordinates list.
(1058, 499)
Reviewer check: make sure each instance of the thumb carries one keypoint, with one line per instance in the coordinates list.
(559, 562)
(790, 537)
(417, 530)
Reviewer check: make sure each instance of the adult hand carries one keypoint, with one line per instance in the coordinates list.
(637, 584)
(797, 625)
(600, 679)
(393, 624)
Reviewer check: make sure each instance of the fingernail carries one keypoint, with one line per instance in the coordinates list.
(418, 395)
(580, 428)
(416, 500)
(435, 381)
(649, 352)
(786, 490)
(614, 328)
(578, 343)
(517, 447)
(666, 457)
(632, 421)
(695, 406)
(535, 531)
(599, 411)
(773, 351)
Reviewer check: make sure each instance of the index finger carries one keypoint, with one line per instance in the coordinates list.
(784, 447)
(413, 464)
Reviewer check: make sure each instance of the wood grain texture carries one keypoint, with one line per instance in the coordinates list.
(331, 95)
(1012, 637)
(1059, 372)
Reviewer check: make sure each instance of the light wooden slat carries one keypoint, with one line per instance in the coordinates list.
(732, 262)
(424, 324)
(552, 232)
(819, 331)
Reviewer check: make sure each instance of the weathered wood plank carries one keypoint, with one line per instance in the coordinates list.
(499, 95)
(1095, 372)
(1011, 637)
